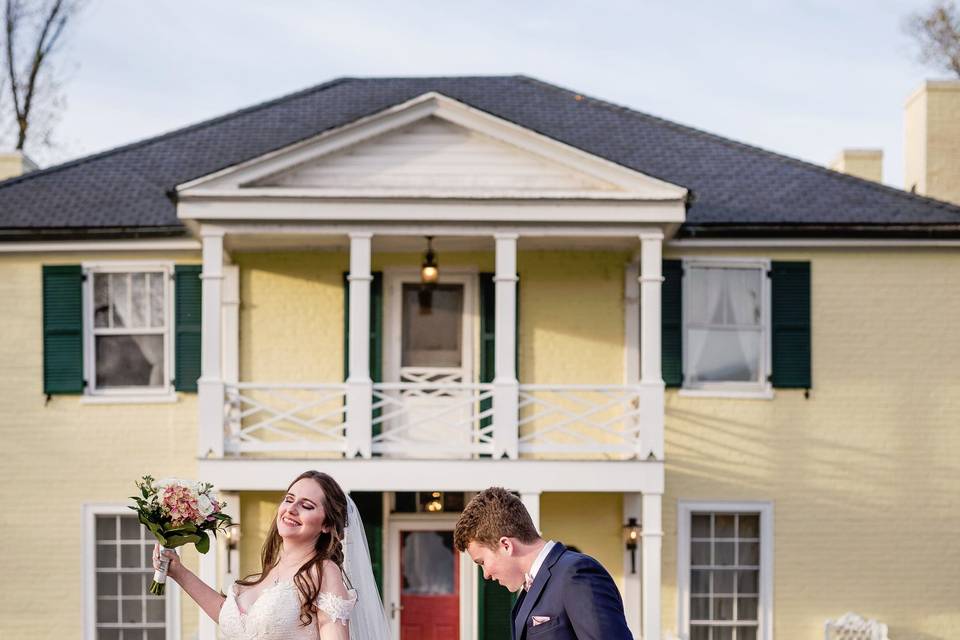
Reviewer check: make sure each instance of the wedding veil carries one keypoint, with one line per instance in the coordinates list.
(368, 620)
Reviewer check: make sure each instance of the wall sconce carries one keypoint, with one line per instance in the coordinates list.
(631, 538)
(232, 535)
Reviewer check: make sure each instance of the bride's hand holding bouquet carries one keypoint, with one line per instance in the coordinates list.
(178, 512)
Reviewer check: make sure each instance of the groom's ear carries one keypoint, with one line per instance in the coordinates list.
(505, 545)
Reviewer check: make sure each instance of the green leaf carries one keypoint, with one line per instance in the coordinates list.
(177, 541)
(203, 544)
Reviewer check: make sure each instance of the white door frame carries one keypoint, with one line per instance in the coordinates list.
(391, 577)
(393, 279)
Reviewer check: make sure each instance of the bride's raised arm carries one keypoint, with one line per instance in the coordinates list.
(334, 604)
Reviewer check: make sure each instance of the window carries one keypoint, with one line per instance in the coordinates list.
(726, 336)
(725, 573)
(118, 605)
(128, 337)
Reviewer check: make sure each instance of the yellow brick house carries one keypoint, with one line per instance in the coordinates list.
(427, 286)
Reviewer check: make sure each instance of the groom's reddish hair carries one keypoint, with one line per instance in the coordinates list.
(492, 514)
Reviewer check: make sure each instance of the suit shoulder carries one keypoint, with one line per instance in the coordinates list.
(573, 561)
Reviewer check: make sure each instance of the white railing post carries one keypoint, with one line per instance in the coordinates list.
(651, 537)
(531, 501)
(359, 430)
(506, 388)
(651, 391)
(210, 398)
(632, 508)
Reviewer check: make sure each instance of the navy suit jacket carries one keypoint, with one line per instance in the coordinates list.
(577, 595)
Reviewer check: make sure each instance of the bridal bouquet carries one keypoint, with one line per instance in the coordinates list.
(178, 512)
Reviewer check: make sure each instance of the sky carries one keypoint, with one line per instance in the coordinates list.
(805, 78)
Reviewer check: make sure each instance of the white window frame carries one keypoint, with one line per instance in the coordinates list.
(758, 389)
(685, 511)
(88, 574)
(92, 394)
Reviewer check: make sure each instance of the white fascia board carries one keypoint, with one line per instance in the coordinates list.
(811, 243)
(413, 229)
(359, 474)
(635, 185)
(417, 210)
(86, 246)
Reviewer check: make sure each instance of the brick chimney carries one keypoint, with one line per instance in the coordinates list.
(15, 163)
(932, 145)
(863, 163)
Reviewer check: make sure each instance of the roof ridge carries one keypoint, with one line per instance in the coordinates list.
(780, 157)
(173, 133)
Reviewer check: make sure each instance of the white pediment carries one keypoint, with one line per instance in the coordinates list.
(435, 154)
(432, 147)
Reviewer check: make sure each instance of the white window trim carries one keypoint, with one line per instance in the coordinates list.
(88, 574)
(685, 511)
(92, 395)
(758, 390)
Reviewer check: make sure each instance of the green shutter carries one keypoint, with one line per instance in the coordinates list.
(488, 320)
(188, 312)
(494, 609)
(62, 329)
(671, 326)
(790, 317)
(370, 506)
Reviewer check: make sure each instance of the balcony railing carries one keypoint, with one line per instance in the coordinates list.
(431, 420)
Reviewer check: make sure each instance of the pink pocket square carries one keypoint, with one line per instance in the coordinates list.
(538, 620)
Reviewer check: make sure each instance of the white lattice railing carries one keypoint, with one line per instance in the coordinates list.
(429, 419)
(439, 419)
(579, 419)
(285, 417)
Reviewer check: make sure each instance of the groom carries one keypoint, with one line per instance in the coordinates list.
(565, 594)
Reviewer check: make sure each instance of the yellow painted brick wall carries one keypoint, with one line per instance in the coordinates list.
(864, 474)
(592, 522)
(62, 454)
(257, 511)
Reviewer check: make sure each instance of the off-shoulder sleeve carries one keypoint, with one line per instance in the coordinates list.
(337, 607)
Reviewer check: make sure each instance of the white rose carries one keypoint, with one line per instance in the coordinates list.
(204, 505)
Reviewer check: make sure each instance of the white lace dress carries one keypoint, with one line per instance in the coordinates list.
(275, 615)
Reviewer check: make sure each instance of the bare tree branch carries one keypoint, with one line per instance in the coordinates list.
(937, 32)
(34, 34)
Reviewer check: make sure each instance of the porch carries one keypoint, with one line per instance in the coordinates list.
(402, 399)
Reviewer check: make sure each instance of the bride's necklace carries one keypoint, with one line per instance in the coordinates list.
(277, 573)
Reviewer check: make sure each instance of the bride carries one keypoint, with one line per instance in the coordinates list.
(315, 581)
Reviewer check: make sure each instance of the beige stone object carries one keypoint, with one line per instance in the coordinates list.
(862, 163)
(932, 145)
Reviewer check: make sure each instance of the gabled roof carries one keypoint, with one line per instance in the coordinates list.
(735, 187)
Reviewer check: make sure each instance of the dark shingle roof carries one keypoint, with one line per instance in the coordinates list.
(733, 184)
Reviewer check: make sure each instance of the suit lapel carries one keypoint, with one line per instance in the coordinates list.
(525, 604)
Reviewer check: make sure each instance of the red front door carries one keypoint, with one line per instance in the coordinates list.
(429, 586)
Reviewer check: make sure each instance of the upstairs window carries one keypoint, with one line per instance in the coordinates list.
(128, 342)
(726, 325)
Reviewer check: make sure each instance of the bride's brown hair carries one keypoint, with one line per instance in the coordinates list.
(329, 545)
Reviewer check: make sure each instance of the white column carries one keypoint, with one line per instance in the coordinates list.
(650, 443)
(229, 559)
(210, 398)
(231, 323)
(207, 628)
(531, 500)
(359, 384)
(506, 388)
(632, 508)
(652, 542)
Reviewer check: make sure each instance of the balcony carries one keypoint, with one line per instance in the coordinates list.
(427, 420)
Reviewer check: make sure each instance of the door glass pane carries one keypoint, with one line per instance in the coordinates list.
(432, 335)
(428, 563)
